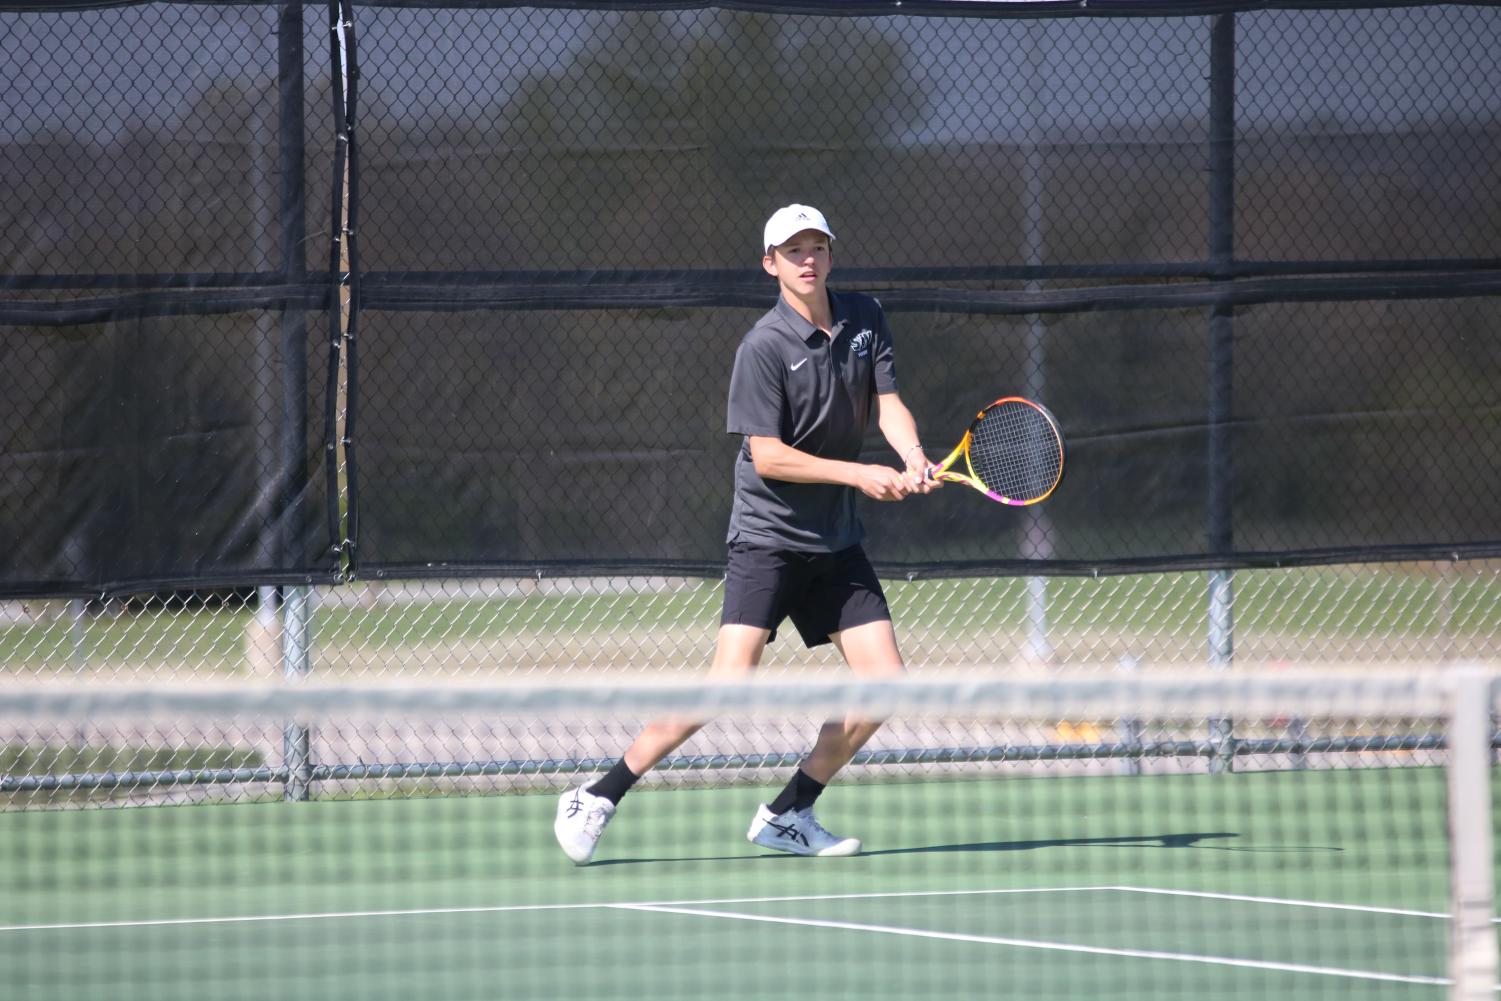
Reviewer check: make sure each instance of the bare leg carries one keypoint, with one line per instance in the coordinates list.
(736, 654)
(871, 652)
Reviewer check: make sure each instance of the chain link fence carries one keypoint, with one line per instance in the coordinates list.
(1360, 618)
(1420, 613)
(1248, 257)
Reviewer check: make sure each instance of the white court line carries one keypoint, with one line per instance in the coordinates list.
(314, 916)
(505, 908)
(1022, 943)
(1286, 903)
(501, 909)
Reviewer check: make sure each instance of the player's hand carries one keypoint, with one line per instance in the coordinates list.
(917, 473)
(883, 483)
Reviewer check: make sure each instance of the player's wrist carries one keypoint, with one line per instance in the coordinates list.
(856, 474)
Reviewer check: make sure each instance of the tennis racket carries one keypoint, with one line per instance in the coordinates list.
(1013, 452)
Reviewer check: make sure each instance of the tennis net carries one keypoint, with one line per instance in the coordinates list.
(1216, 834)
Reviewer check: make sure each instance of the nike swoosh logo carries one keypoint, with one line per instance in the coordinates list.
(798, 365)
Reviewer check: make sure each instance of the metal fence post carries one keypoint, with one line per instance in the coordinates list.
(1129, 731)
(1037, 533)
(296, 737)
(295, 607)
(1221, 356)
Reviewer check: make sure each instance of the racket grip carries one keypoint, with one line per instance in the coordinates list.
(928, 472)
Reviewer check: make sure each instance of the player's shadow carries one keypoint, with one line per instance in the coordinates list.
(1129, 840)
(1187, 840)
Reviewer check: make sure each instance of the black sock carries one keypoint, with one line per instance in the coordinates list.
(799, 794)
(616, 782)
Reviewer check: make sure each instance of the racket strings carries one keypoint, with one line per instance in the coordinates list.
(1014, 450)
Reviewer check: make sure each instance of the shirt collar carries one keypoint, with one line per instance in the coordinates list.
(803, 328)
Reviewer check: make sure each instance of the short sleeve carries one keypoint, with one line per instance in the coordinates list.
(756, 391)
(884, 355)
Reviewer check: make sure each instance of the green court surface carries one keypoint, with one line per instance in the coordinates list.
(1290, 885)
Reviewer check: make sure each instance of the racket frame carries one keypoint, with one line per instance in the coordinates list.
(944, 470)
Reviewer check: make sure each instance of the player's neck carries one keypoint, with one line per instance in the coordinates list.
(814, 308)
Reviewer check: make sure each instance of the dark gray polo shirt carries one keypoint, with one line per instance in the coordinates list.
(816, 393)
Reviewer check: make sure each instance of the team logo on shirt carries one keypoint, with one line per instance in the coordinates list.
(862, 341)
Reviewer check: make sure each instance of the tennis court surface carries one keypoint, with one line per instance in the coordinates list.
(1123, 878)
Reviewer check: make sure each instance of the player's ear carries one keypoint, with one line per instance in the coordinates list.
(769, 263)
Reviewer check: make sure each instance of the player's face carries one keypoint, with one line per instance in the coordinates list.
(802, 264)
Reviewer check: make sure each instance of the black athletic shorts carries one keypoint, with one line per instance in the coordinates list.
(823, 593)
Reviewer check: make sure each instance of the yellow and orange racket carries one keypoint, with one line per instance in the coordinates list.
(1013, 452)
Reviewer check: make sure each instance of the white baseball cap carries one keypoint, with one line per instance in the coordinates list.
(790, 220)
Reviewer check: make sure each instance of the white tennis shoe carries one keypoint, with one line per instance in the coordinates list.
(581, 820)
(798, 832)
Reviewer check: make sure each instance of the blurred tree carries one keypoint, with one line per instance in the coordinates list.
(692, 132)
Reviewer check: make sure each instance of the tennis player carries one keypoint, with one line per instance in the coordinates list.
(807, 379)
